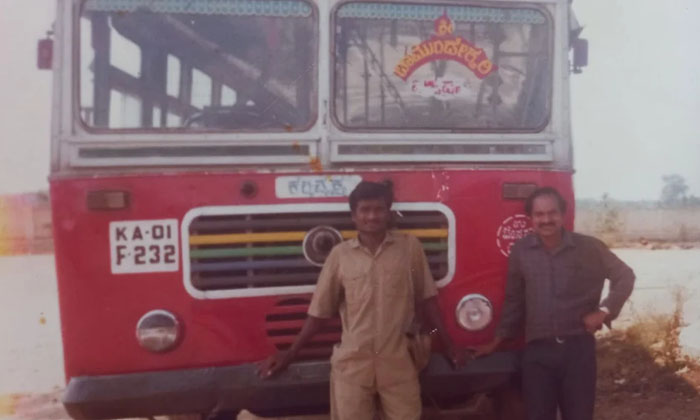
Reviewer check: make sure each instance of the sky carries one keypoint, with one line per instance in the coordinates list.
(635, 109)
(25, 96)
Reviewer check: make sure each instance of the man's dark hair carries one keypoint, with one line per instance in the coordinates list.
(544, 191)
(367, 190)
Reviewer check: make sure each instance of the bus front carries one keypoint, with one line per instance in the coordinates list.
(202, 155)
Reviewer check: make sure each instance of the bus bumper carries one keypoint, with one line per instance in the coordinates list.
(301, 389)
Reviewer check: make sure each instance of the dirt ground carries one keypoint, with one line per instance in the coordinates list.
(642, 374)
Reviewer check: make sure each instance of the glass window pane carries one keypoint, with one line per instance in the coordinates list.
(86, 75)
(228, 96)
(173, 120)
(125, 110)
(171, 55)
(173, 75)
(409, 66)
(124, 54)
(156, 117)
(201, 89)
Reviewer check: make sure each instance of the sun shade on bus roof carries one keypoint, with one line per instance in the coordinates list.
(274, 8)
(431, 12)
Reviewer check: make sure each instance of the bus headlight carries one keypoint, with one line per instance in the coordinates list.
(474, 312)
(158, 331)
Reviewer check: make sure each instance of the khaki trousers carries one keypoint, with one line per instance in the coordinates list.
(356, 402)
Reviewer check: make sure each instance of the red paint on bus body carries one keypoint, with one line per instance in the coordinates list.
(99, 310)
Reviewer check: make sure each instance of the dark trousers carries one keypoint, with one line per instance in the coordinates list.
(560, 373)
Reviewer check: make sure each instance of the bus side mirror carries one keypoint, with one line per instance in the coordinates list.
(580, 55)
(44, 54)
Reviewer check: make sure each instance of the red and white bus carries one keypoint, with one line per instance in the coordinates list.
(202, 154)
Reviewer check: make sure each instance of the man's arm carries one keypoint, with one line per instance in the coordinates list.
(324, 304)
(431, 311)
(513, 311)
(621, 279)
(427, 301)
(280, 360)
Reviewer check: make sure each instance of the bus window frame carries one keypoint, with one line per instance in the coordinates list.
(367, 130)
(182, 131)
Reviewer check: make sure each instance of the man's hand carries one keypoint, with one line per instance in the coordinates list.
(431, 310)
(457, 357)
(274, 364)
(594, 320)
(279, 361)
(488, 348)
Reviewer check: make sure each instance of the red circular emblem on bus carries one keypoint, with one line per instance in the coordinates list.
(513, 228)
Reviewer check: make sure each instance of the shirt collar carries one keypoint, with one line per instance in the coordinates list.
(389, 238)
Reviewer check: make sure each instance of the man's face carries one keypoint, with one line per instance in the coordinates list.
(371, 216)
(547, 218)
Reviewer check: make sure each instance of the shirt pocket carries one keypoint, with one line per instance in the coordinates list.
(582, 278)
(357, 290)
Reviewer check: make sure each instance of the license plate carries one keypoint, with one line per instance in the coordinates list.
(144, 246)
(313, 186)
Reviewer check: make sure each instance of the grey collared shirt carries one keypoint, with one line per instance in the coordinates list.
(551, 291)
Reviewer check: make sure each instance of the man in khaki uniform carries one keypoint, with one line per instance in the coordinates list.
(377, 282)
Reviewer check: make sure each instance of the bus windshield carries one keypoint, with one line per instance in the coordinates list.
(238, 65)
(436, 67)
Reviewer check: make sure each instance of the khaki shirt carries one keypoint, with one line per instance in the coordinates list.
(375, 296)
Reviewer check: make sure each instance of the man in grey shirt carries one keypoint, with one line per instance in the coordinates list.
(555, 281)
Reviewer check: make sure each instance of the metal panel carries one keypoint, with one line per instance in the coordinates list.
(442, 152)
(262, 258)
(182, 155)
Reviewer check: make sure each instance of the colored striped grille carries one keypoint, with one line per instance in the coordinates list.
(243, 251)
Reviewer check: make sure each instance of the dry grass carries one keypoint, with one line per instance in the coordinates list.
(658, 334)
(642, 373)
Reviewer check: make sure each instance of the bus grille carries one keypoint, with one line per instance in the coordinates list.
(258, 251)
(283, 323)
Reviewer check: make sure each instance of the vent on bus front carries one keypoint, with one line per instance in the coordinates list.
(235, 251)
(283, 323)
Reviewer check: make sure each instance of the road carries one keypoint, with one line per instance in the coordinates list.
(31, 368)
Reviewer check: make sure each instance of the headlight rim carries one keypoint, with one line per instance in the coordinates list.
(176, 325)
(467, 298)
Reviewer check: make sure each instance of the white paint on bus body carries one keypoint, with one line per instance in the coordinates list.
(313, 186)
